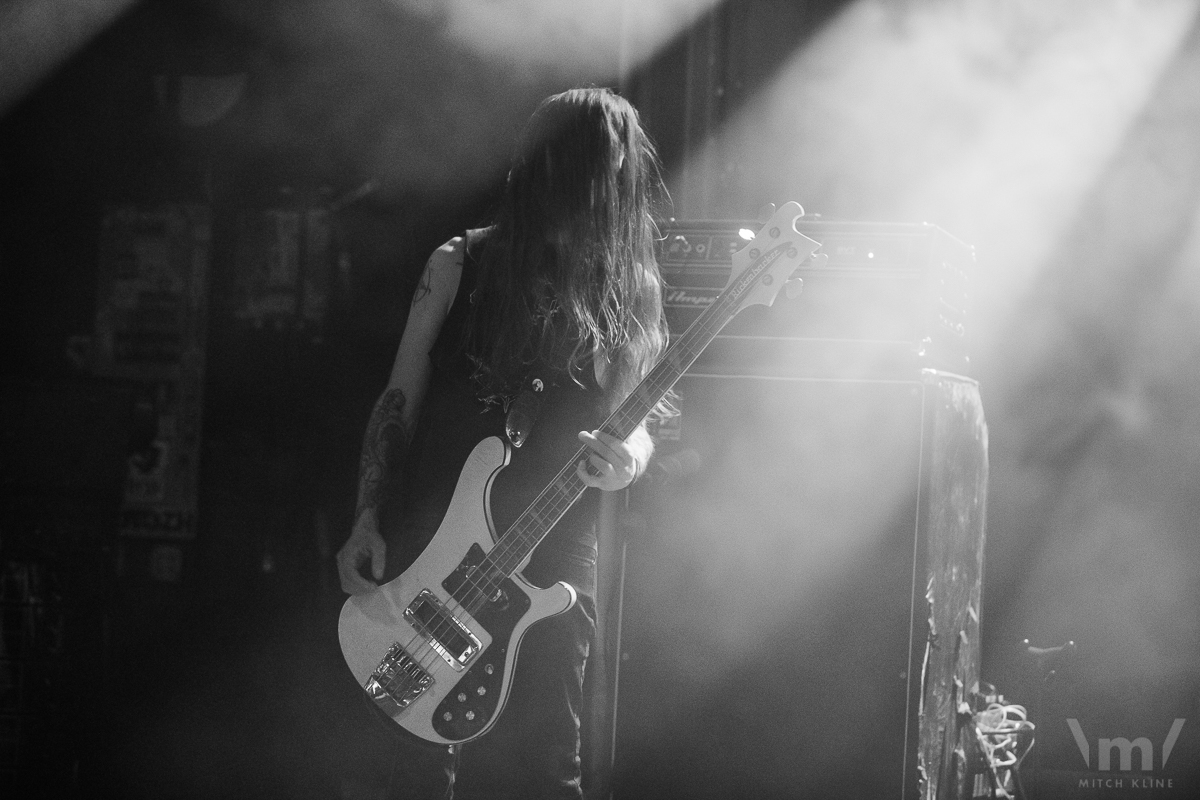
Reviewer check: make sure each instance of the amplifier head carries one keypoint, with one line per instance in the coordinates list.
(890, 296)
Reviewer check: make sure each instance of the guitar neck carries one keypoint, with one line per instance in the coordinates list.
(684, 351)
(555, 499)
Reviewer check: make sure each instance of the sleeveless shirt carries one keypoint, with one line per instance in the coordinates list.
(454, 418)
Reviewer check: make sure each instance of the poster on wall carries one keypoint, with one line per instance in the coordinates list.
(150, 331)
(283, 267)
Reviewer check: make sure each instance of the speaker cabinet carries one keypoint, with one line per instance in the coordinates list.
(801, 612)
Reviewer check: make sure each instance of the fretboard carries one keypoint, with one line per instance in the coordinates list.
(528, 530)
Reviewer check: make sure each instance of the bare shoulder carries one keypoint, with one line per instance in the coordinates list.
(449, 253)
(439, 280)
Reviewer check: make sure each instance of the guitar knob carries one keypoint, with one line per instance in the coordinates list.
(470, 715)
(447, 716)
(462, 697)
(481, 690)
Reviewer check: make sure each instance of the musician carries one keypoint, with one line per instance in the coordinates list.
(534, 329)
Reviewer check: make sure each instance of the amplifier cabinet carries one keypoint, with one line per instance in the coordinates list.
(801, 612)
(891, 298)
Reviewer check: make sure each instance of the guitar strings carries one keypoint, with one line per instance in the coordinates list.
(528, 530)
(485, 579)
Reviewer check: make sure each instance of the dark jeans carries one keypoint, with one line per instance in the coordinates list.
(533, 750)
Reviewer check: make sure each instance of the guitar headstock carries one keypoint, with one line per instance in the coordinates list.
(765, 265)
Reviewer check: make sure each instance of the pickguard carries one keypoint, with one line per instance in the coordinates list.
(474, 700)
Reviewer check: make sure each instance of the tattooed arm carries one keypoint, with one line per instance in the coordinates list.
(385, 446)
(390, 429)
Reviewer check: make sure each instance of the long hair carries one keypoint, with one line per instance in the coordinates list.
(569, 265)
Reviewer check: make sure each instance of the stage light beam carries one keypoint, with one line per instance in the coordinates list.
(37, 36)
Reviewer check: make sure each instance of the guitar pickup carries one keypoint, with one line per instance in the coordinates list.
(397, 681)
(442, 630)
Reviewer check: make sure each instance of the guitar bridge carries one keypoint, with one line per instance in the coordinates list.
(397, 681)
(442, 630)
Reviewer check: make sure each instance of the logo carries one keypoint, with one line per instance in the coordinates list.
(1105, 748)
(690, 298)
(1124, 748)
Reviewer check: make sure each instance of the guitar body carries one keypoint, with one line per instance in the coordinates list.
(440, 670)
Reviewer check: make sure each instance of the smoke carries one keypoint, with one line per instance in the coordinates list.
(428, 95)
(991, 120)
(600, 39)
(37, 36)
(1116, 562)
(1059, 139)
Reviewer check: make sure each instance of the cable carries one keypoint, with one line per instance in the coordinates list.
(1005, 736)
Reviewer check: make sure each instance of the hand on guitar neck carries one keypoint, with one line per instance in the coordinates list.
(614, 464)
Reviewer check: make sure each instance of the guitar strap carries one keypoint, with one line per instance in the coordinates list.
(523, 411)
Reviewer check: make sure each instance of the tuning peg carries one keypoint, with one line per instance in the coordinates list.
(794, 287)
(766, 212)
(818, 260)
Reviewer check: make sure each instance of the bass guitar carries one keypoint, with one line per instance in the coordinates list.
(436, 647)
